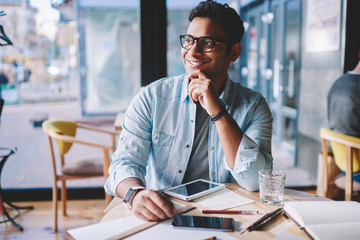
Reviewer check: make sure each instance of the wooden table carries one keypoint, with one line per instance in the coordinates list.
(116, 210)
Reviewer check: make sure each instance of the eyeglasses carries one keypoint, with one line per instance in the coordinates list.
(206, 44)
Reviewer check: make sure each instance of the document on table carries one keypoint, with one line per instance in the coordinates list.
(106, 230)
(164, 230)
(222, 199)
(288, 236)
(326, 219)
(119, 226)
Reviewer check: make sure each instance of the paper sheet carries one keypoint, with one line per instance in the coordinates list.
(178, 205)
(219, 200)
(222, 199)
(288, 236)
(164, 230)
(104, 230)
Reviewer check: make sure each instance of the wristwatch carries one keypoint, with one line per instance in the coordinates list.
(129, 196)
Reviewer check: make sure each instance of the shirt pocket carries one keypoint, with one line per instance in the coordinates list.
(161, 146)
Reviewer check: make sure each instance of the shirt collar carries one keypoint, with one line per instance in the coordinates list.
(353, 73)
(184, 88)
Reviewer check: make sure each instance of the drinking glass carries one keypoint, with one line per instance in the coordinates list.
(271, 185)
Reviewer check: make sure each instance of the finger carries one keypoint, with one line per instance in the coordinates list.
(194, 93)
(149, 212)
(193, 74)
(154, 206)
(202, 83)
(145, 214)
(197, 74)
(201, 74)
(191, 86)
(190, 93)
(145, 208)
(153, 211)
(197, 84)
(167, 200)
(199, 87)
(191, 90)
(164, 204)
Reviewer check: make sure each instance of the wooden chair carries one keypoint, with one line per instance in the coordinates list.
(63, 132)
(346, 155)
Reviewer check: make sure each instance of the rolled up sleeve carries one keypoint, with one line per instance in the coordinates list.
(254, 152)
(131, 156)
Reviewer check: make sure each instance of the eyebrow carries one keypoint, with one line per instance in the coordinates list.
(201, 36)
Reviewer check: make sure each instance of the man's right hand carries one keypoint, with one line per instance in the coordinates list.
(152, 206)
(147, 204)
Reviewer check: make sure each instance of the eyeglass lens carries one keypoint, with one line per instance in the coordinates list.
(205, 44)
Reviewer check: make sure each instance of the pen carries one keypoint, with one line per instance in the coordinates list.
(268, 217)
(242, 212)
(210, 238)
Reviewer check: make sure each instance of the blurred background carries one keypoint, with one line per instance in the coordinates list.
(86, 59)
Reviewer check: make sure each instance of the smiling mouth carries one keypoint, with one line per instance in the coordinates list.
(196, 63)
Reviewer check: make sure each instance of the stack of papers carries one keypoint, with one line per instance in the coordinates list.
(222, 199)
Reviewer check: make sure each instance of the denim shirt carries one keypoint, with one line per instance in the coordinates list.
(158, 134)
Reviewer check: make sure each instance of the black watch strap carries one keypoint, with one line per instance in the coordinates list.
(219, 115)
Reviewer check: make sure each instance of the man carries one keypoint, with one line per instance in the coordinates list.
(344, 106)
(344, 103)
(196, 125)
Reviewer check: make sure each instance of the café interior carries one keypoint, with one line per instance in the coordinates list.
(292, 53)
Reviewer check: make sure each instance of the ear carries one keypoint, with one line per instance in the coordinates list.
(235, 52)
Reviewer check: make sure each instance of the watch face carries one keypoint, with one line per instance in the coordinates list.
(129, 194)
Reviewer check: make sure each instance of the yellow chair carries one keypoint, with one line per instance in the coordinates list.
(346, 154)
(64, 134)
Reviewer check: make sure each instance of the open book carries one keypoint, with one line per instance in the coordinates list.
(326, 219)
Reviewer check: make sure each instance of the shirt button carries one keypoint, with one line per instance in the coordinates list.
(212, 173)
(192, 120)
(212, 148)
(212, 122)
(179, 171)
(187, 146)
(156, 137)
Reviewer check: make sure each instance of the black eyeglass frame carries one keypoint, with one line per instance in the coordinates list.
(196, 39)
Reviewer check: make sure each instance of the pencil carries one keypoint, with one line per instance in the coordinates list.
(242, 212)
(210, 238)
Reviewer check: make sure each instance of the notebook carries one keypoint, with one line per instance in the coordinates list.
(326, 219)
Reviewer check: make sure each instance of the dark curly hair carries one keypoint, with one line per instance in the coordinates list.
(223, 14)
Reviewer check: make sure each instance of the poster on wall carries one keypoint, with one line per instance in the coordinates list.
(323, 25)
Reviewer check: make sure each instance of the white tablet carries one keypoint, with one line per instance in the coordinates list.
(194, 189)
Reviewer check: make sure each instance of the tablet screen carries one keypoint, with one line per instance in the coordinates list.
(194, 189)
(201, 222)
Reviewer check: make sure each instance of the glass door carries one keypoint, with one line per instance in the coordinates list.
(285, 65)
(254, 72)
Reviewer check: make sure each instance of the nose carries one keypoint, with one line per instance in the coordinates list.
(195, 49)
